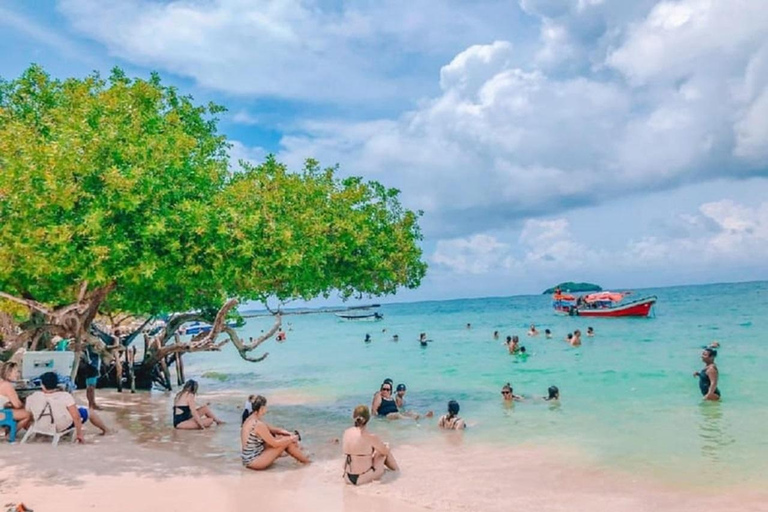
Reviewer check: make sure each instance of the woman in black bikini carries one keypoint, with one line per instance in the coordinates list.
(187, 415)
(366, 456)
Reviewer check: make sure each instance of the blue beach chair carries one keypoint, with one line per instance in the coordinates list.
(6, 420)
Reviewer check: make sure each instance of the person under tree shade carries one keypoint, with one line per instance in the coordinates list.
(92, 374)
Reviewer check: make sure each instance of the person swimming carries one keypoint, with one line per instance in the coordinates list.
(423, 339)
(590, 332)
(451, 421)
(395, 337)
(532, 331)
(495, 335)
(367, 338)
(513, 344)
(508, 394)
(553, 393)
(547, 333)
(708, 376)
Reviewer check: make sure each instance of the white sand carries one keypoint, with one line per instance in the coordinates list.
(146, 466)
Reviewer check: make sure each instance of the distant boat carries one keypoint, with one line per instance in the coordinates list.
(198, 327)
(602, 304)
(373, 317)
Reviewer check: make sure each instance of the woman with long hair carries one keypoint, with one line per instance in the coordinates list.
(366, 456)
(187, 415)
(262, 444)
(9, 374)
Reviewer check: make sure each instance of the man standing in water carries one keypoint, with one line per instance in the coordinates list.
(708, 377)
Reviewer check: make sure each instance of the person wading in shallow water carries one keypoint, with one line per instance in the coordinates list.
(709, 375)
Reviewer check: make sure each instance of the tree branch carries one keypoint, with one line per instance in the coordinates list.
(264, 337)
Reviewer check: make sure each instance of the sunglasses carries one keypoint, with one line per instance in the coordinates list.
(506, 392)
(386, 389)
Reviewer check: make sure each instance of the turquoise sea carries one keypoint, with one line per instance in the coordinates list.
(629, 400)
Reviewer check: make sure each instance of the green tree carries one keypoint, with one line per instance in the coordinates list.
(117, 195)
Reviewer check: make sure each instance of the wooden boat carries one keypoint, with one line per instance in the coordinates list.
(604, 306)
(360, 316)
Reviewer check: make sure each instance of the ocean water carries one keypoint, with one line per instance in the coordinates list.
(628, 398)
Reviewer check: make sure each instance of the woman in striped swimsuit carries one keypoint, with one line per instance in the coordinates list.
(263, 444)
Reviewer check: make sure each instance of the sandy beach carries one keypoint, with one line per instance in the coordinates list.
(145, 463)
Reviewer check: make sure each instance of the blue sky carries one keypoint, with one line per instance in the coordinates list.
(546, 140)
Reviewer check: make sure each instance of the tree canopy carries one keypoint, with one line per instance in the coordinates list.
(126, 185)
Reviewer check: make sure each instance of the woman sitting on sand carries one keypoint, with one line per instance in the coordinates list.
(367, 457)
(9, 374)
(451, 421)
(187, 415)
(262, 443)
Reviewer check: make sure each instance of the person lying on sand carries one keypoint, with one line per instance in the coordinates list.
(187, 415)
(262, 443)
(366, 456)
(59, 407)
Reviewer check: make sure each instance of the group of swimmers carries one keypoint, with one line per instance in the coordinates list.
(513, 342)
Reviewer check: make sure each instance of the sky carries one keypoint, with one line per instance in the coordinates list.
(618, 142)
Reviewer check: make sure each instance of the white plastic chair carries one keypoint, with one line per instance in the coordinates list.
(46, 427)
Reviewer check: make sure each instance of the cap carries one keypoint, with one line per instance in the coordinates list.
(401, 387)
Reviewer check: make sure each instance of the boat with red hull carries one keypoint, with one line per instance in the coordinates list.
(602, 307)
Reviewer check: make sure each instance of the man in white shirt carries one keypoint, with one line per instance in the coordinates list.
(59, 408)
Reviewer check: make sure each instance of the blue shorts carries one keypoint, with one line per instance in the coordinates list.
(83, 413)
(91, 381)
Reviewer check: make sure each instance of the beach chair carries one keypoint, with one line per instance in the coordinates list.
(6, 420)
(44, 426)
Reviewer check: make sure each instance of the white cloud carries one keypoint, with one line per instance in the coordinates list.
(298, 49)
(503, 142)
(687, 37)
(239, 151)
(245, 118)
(478, 254)
(547, 249)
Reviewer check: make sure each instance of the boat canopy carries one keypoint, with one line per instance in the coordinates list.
(605, 296)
